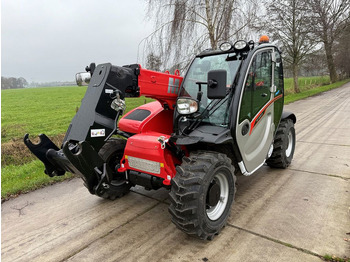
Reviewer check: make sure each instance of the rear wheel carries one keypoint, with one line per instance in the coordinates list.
(202, 193)
(283, 145)
(111, 153)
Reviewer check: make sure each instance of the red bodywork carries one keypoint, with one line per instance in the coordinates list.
(156, 124)
(161, 86)
(159, 120)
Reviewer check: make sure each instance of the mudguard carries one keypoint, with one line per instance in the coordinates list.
(290, 115)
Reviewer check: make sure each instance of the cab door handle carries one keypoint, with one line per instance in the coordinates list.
(273, 89)
(264, 95)
(245, 129)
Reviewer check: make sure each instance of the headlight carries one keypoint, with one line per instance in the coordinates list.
(83, 79)
(186, 106)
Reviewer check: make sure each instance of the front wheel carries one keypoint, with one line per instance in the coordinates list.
(202, 193)
(111, 153)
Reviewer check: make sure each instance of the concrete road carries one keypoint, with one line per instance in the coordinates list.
(297, 214)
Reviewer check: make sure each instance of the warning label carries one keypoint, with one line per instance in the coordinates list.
(98, 132)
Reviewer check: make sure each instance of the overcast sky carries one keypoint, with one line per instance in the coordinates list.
(49, 40)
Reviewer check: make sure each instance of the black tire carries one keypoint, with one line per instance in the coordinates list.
(111, 153)
(283, 145)
(190, 202)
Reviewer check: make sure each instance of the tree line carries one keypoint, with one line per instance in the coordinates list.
(312, 34)
(13, 82)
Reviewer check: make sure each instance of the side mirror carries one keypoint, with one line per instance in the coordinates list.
(217, 84)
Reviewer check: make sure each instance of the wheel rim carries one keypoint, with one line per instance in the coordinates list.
(290, 144)
(215, 212)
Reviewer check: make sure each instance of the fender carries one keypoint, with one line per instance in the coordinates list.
(289, 115)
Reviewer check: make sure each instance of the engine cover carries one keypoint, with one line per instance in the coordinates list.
(151, 117)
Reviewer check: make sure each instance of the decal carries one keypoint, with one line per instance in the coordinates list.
(98, 132)
(259, 117)
(174, 85)
(262, 113)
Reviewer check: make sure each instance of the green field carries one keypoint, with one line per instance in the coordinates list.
(38, 110)
(50, 110)
(43, 110)
(305, 83)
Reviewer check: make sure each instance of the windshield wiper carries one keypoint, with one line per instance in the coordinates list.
(200, 117)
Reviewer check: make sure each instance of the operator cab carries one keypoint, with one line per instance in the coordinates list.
(249, 112)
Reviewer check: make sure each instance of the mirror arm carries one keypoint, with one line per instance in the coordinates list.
(199, 96)
(200, 93)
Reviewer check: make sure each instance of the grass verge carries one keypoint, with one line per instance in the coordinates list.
(21, 179)
(311, 92)
(305, 83)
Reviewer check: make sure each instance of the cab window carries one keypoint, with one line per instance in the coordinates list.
(257, 86)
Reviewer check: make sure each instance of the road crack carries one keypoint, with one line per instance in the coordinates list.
(319, 143)
(20, 209)
(321, 174)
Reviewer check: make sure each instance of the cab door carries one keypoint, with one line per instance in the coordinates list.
(255, 125)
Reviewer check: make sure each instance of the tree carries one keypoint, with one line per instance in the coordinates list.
(153, 62)
(4, 83)
(289, 23)
(185, 27)
(330, 18)
(342, 53)
(21, 82)
(315, 64)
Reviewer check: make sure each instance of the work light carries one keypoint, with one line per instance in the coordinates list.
(225, 46)
(83, 78)
(240, 45)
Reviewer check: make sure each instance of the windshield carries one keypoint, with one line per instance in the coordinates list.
(199, 72)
